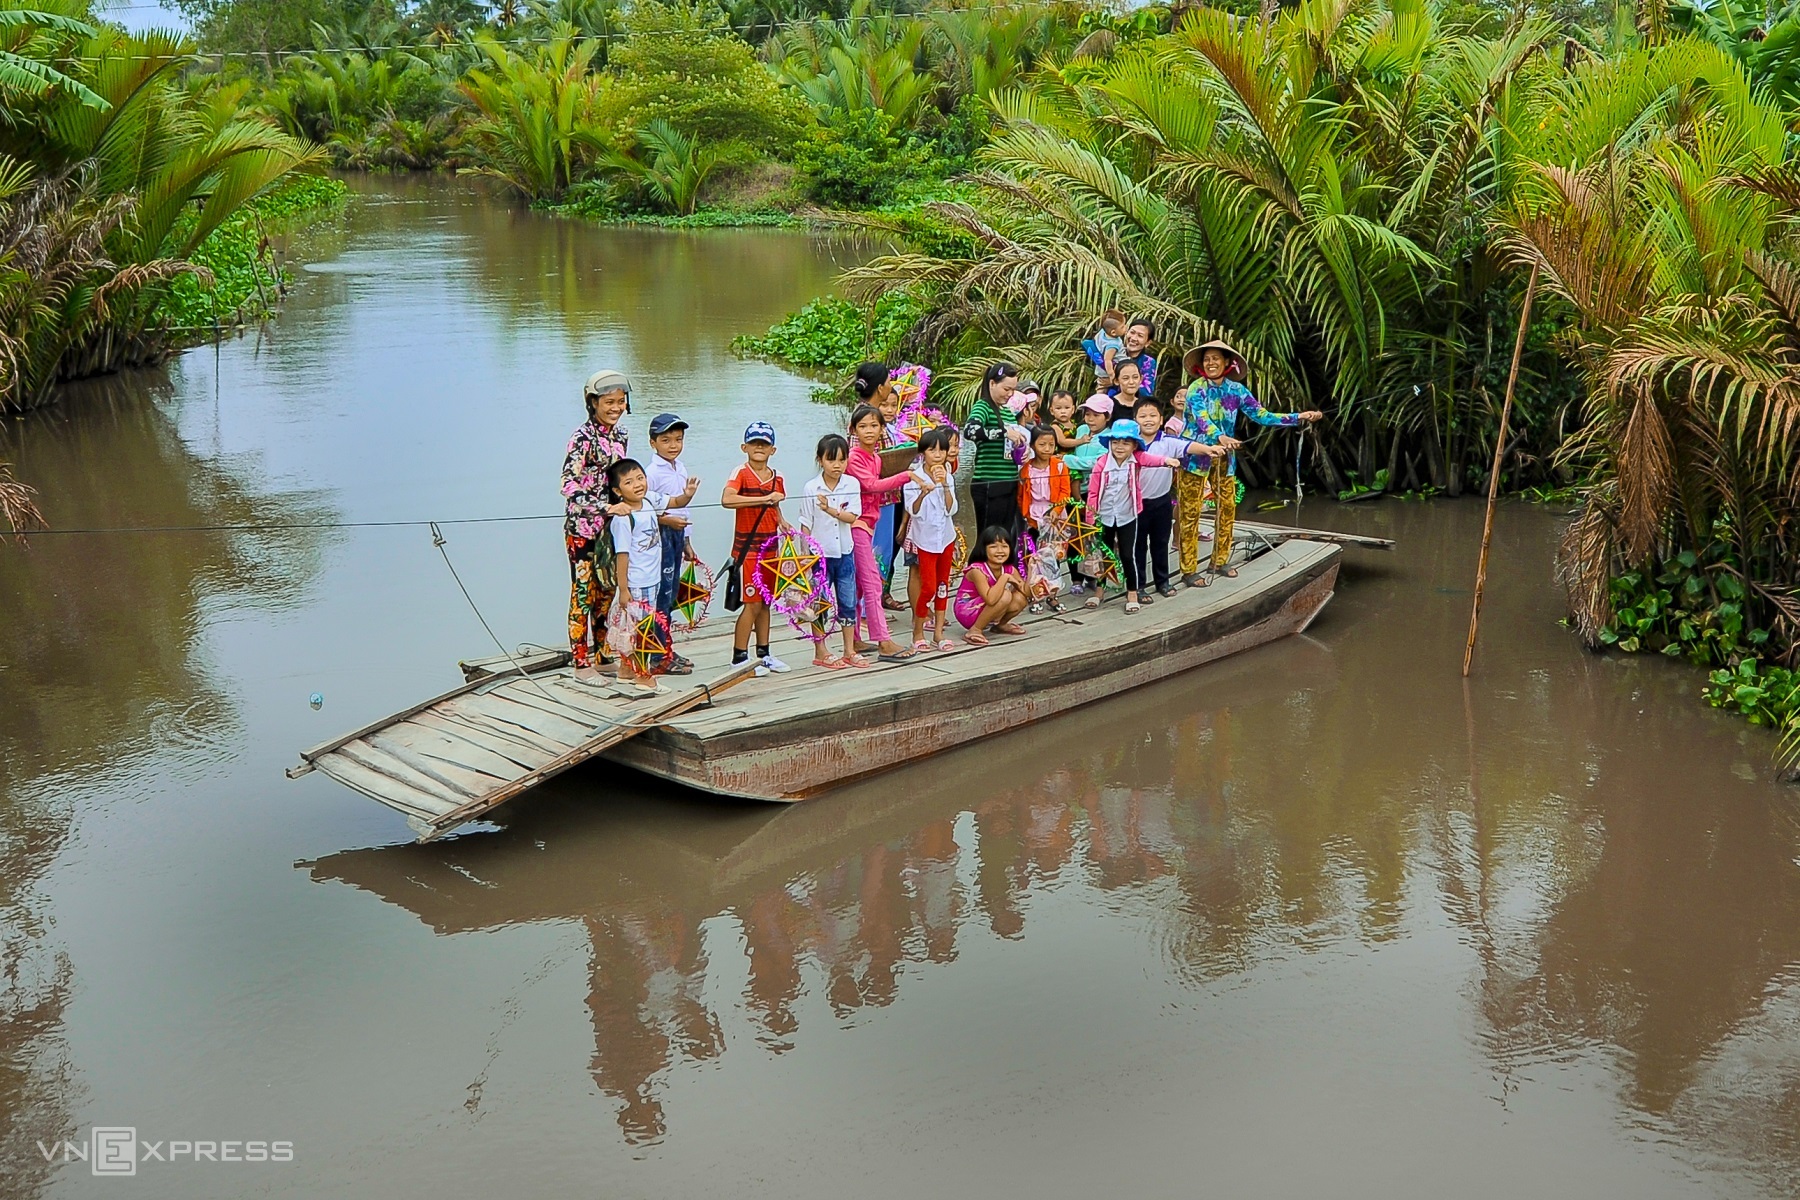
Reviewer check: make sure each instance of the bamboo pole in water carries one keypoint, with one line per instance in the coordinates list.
(1487, 525)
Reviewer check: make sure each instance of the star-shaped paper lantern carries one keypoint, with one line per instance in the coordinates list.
(650, 642)
(789, 565)
(915, 421)
(1079, 533)
(693, 592)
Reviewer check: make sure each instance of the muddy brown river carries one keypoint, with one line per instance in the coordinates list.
(1316, 921)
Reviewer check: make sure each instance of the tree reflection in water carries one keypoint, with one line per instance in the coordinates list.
(1590, 925)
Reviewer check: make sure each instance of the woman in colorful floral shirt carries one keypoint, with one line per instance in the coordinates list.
(1213, 403)
(595, 446)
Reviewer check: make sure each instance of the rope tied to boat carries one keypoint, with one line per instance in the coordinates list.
(441, 542)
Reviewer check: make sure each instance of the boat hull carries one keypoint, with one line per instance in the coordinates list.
(799, 750)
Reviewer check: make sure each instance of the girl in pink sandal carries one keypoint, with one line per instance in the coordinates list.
(993, 591)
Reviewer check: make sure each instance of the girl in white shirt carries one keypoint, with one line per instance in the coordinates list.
(929, 501)
(830, 506)
(637, 551)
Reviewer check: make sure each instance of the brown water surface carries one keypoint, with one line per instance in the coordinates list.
(1320, 920)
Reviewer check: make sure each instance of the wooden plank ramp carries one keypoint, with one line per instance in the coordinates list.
(464, 753)
(1276, 534)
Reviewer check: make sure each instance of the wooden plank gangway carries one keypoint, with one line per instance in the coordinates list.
(456, 756)
(520, 721)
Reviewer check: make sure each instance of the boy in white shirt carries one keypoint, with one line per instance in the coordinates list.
(668, 477)
(831, 504)
(637, 551)
(929, 499)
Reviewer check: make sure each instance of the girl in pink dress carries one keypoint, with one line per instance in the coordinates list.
(993, 591)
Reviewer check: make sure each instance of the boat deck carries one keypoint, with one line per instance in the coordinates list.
(459, 755)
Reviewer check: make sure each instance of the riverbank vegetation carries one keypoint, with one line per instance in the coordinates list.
(115, 171)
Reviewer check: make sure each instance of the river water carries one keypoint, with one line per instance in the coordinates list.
(1319, 920)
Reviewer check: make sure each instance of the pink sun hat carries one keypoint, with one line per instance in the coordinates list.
(1099, 402)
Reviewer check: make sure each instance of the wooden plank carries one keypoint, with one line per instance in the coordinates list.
(1281, 533)
(558, 729)
(452, 748)
(482, 669)
(365, 754)
(464, 709)
(691, 698)
(515, 749)
(585, 710)
(387, 790)
(451, 781)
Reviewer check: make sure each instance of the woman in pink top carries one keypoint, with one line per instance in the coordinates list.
(867, 432)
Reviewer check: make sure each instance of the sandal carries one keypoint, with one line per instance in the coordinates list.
(857, 661)
(831, 664)
(893, 605)
(1056, 607)
(946, 645)
(1132, 606)
(1093, 602)
(1034, 607)
(921, 644)
(975, 639)
(1229, 572)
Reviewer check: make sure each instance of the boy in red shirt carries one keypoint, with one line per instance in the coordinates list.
(756, 492)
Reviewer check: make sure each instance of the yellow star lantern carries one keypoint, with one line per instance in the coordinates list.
(790, 568)
(1078, 533)
(649, 642)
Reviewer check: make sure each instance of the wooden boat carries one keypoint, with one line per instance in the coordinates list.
(785, 737)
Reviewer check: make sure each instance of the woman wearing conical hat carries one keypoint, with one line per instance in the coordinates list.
(1212, 403)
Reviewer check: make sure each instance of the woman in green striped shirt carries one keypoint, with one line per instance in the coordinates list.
(995, 489)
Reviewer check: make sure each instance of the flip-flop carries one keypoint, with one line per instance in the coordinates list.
(1012, 630)
(906, 657)
(857, 661)
(975, 639)
(831, 664)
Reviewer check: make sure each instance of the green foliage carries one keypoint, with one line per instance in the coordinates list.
(110, 198)
(1684, 608)
(669, 169)
(245, 280)
(267, 26)
(679, 64)
(536, 129)
(1364, 491)
(1764, 694)
(832, 334)
(859, 160)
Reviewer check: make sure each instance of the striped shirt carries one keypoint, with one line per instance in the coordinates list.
(986, 430)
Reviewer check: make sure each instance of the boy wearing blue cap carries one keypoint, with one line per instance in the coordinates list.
(669, 477)
(755, 492)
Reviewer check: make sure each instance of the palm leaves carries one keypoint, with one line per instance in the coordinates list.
(1300, 185)
(534, 130)
(128, 175)
(25, 67)
(1661, 212)
(673, 167)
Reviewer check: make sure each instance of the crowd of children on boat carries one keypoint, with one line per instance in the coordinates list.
(1064, 491)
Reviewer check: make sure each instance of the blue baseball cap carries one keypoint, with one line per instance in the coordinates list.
(760, 431)
(661, 423)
